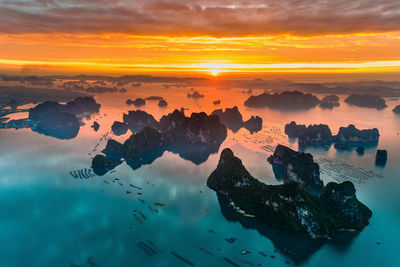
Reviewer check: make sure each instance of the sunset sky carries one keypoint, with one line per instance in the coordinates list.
(217, 37)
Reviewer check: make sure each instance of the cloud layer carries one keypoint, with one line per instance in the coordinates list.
(200, 17)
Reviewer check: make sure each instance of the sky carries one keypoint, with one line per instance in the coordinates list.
(204, 37)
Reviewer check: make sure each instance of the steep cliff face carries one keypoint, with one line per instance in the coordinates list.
(289, 165)
(289, 207)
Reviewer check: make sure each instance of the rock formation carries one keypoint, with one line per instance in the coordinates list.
(284, 101)
(289, 207)
(289, 165)
(366, 101)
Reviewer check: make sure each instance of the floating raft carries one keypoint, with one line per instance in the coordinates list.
(183, 259)
(231, 262)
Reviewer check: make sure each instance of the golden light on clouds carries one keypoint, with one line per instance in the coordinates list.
(127, 54)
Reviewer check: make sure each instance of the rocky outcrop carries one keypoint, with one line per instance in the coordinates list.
(162, 103)
(136, 120)
(381, 157)
(101, 164)
(195, 95)
(318, 133)
(142, 142)
(289, 207)
(216, 102)
(396, 109)
(60, 121)
(283, 101)
(199, 128)
(353, 135)
(113, 149)
(83, 105)
(119, 128)
(321, 134)
(366, 101)
(329, 102)
(289, 165)
(95, 126)
(62, 125)
(254, 124)
(138, 102)
(231, 118)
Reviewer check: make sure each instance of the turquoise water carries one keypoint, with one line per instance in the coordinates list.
(48, 218)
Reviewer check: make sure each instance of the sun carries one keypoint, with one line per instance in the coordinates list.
(214, 72)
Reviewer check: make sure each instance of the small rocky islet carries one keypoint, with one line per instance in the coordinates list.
(290, 207)
(232, 118)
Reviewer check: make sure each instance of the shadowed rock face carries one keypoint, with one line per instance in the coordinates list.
(289, 207)
(366, 101)
(289, 165)
(284, 101)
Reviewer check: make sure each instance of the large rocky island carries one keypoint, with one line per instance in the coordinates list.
(289, 207)
(284, 101)
(366, 101)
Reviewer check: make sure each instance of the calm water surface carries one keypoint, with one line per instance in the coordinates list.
(48, 218)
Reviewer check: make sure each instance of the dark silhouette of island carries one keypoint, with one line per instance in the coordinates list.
(155, 98)
(162, 103)
(136, 120)
(195, 95)
(119, 128)
(329, 102)
(193, 138)
(216, 102)
(321, 134)
(366, 101)
(232, 119)
(396, 109)
(283, 101)
(95, 126)
(138, 102)
(59, 120)
(290, 207)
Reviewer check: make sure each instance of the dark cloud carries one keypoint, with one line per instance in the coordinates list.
(200, 17)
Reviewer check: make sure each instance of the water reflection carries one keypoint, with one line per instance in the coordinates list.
(294, 247)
